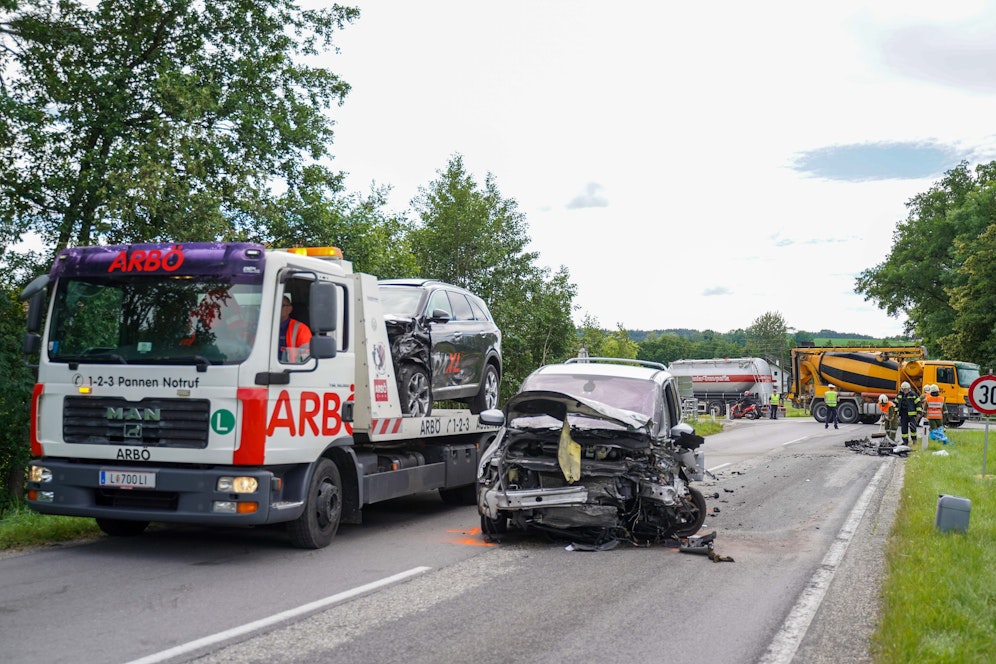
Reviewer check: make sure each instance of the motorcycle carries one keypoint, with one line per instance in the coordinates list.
(750, 411)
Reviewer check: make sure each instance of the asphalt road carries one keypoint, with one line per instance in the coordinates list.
(803, 518)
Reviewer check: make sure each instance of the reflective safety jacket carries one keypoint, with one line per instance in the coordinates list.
(908, 402)
(831, 398)
(775, 399)
(935, 407)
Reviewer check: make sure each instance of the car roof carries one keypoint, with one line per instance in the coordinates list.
(419, 283)
(606, 367)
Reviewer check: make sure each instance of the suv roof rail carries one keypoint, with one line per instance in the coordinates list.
(615, 360)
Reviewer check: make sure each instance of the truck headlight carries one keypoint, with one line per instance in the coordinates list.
(39, 474)
(237, 485)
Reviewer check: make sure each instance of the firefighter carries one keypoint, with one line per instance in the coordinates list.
(910, 410)
(890, 415)
(935, 407)
(830, 398)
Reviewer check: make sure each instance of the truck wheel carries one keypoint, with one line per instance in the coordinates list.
(869, 419)
(954, 424)
(819, 411)
(692, 515)
(415, 391)
(487, 397)
(121, 527)
(461, 495)
(717, 407)
(847, 413)
(317, 526)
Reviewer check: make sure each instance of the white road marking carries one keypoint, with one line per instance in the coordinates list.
(786, 642)
(276, 618)
(797, 440)
(722, 465)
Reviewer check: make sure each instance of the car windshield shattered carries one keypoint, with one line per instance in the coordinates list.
(595, 458)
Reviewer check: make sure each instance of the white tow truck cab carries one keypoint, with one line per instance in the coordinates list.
(169, 390)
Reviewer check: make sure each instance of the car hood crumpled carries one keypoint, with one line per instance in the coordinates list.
(559, 405)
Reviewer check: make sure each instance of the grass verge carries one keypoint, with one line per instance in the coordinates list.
(939, 594)
(20, 527)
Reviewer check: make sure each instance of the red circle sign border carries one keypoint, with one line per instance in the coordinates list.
(971, 393)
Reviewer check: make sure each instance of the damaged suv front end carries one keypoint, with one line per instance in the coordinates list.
(594, 451)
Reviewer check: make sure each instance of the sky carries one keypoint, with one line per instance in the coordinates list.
(692, 165)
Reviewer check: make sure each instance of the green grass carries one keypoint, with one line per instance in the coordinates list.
(20, 527)
(706, 426)
(939, 595)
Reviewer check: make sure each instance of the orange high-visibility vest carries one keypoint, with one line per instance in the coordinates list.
(935, 407)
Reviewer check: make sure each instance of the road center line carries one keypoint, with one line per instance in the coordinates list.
(220, 637)
(786, 642)
(722, 465)
(797, 440)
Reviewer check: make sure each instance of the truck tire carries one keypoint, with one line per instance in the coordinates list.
(717, 407)
(317, 526)
(847, 412)
(487, 397)
(819, 411)
(869, 419)
(461, 495)
(121, 527)
(415, 390)
(954, 424)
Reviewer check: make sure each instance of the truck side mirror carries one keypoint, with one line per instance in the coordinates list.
(323, 307)
(322, 347)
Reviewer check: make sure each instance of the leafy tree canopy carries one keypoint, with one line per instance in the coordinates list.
(925, 266)
(123, 120)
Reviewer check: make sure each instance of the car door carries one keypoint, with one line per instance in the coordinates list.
(468, 343)
(444, 344)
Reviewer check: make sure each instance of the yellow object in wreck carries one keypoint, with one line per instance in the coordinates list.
(569, 455)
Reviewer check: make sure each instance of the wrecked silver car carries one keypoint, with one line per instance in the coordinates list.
(594, 450)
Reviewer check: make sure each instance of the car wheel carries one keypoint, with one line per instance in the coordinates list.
(487, 397)
(693, 515)
(121, 527)
(415, 391)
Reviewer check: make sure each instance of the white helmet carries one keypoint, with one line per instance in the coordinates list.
(904, 386)
(882, 398)
(831, 387)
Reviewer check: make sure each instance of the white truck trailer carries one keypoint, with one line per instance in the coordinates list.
(164, 393)
(718, 383)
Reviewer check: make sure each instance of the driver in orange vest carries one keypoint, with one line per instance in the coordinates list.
(295, 336)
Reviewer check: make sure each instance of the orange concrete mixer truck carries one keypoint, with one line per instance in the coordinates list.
(862, 374)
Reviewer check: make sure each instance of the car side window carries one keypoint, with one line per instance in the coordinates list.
(480, 310)
(672, 406)
(461, 307)
(438, 300)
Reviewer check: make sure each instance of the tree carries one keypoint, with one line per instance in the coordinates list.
(767, 336)
(474, 237)
(664, 348)
(923, 266)
(973, 331)
(142, 120)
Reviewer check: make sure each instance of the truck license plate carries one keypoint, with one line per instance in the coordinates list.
(127, 479)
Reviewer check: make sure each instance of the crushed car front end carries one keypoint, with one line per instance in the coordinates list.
(586, 471)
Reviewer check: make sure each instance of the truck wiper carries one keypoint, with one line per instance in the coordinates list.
(201, 361)
(94, 358)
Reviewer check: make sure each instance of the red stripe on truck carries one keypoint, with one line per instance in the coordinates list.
(252, 446)
(36, 446)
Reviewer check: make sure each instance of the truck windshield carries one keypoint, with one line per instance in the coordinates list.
(153, 320)
(967, 373)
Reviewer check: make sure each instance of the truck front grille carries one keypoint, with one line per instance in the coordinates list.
(146, 500)
(149, 422)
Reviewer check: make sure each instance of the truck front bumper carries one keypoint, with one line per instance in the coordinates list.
(173, 494)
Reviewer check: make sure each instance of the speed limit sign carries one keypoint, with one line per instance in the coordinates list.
(982, 394)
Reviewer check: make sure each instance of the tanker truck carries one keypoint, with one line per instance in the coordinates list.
(721, 382)
(862, 374)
